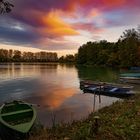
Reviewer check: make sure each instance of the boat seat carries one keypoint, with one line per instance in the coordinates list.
(16, 112)
(114, 89)
(93, 88)
(86, 86)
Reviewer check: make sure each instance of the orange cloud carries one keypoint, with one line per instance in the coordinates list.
(56, 26)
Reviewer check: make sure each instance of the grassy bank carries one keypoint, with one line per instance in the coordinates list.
(121, 120)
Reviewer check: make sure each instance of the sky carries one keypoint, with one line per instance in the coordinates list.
(62, 26)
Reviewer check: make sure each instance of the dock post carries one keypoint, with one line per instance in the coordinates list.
(94, 102)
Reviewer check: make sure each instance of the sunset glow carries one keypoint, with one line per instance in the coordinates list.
(62, 26)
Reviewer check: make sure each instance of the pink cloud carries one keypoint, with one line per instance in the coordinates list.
(91, 27)
(47, 18)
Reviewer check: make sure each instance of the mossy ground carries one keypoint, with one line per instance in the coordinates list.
(121, 121)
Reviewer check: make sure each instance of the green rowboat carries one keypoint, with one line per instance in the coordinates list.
(18, 116)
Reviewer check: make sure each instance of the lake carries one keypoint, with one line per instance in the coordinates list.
(54, 89)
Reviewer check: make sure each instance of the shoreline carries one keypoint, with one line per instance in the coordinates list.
(117, 121)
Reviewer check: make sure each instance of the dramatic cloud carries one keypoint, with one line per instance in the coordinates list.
(59, 25)
(56, 26)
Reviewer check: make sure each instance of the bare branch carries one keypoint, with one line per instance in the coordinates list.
(5, 7)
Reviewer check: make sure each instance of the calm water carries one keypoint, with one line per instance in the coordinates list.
(55, 88)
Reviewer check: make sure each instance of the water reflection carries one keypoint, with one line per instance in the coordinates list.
(54, 87)
(19, 70)
(17, 89)
(98, 74)
(55, 97)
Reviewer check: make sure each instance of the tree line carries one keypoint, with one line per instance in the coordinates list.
(123, 53)
(18, 56)
(69, 58)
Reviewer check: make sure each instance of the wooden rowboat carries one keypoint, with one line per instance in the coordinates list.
(109, 91)
(133, 78)
(106, 89)
(135, 75)
(17, 116)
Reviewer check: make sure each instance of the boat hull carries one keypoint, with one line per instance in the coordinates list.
(9, 134)
(16, 118)
(132, 80)
(130, 75)
(106, 89)
(107, 93)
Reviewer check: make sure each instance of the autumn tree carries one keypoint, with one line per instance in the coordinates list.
(17, 55)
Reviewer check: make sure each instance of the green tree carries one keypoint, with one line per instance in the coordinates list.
(128, 48)
(125, 52)
(68, 58)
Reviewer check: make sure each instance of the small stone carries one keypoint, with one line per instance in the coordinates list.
(67, 138)
(96, 117)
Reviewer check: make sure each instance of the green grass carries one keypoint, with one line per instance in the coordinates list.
(121, 121)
